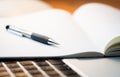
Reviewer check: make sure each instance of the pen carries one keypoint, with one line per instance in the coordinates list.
(31, 35)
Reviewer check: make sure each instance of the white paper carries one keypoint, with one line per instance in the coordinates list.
(56, 24)
(101, 22)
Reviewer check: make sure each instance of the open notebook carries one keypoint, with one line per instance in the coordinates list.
(92, 31)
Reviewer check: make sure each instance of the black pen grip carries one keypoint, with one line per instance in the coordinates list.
(39, 38)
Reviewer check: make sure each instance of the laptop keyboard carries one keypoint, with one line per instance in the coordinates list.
(36, 68)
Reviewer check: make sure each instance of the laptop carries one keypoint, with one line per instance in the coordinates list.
(96, 67)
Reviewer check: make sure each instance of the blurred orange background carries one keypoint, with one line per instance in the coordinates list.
(71, 5)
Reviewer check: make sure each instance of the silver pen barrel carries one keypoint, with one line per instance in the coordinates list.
(31, 35)
(19, 31)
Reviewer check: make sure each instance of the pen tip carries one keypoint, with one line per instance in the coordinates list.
(52, 42)
(56, 43)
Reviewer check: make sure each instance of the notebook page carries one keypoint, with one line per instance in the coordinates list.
(101, 22)
(56, 24)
